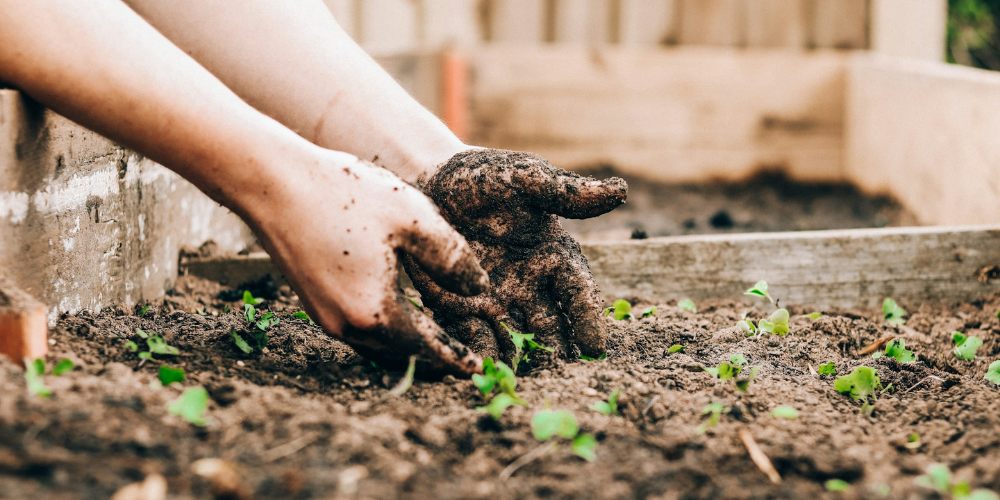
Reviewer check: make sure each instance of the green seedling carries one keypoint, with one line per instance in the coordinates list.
(303, 316)
(897, 349)
(497, 375)
(64, 366)
(647, 312)
(406, 382)
(714, 412)
(747, 327)
(132, 346)
(860, 384)
(170, 375)
(599, 358)
(815, 315)
(191, 406)
(779, 322)
(142, 312)
(159, 346)
(786, 412)
(727, 370)
(965, 347)
(547, 424)
(523, 346)
(250, 313)
(675, 348)
(499, 404)
(609, 407)
(744, 383)
(249, 299)
(913, 441)
(828, 368)
(33, 372)
(687, 305)
(622, 310)
(226, 310)
(759, 290)
(141, 333)
(240, 343)
(939, 479)
(892, 312)
(837, 485)
(993, 372)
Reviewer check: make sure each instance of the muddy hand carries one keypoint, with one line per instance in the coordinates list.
(506, 203)
(337, 234)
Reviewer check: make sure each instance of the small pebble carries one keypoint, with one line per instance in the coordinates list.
(240, 363)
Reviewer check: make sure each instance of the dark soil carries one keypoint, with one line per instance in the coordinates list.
(767, 201)
(308, 418)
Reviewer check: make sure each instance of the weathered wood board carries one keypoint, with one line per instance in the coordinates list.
(844, 268)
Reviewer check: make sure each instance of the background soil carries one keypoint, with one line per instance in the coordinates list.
(767, 201)
(307, 419)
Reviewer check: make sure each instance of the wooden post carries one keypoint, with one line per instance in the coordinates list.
(455, 94)
(517, 21)
(713, 22)
(840, 24)
(910, 28)
(776, 23)
(23, 327)
(647, 22)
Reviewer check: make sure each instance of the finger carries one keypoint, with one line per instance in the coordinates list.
(577, 197)
(581, 301)
(444, 254)
(477, 335)
(548, 325)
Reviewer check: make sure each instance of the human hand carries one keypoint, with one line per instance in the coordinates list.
(506, 203)
(335, 227)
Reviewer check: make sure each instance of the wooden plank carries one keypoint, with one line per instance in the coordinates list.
(926, 132)
(449, 24)
(345, 14)
(776, 23)
(647, 22)
(844, 268)
(582, 22)
(519, 22)
(909, 28)
(683, 114)
(388, 27)
(713, 22)
(840, 24)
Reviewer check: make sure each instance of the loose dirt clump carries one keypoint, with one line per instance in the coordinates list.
(308, 418)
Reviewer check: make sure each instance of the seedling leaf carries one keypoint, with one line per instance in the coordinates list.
(728, 371)
(958, 337)
(159, 346)
(859, 384)
(747, 327)
(967, 346)
(738, 359)
(779, 319)
(675, 348)
(548, 423)
(828, 368)
(759, 290)
(765, 326)
(240, 343)
(714, 412)
(744, 384)
(583, 446)
(786, 412)
(499, 404)
(132, 346)
(407, 381)
(415, 304)
(892, 312)
(687, 305)
(249, 299)
(145, 355)
(837, 485)
(599, 358)
(33, 371)
(64, 365)
(249, 313)
(815, 315)
(170, 375)
(142, 312)
(622, 310)
(141, 333)
(609, 407)
(648, 312)
(191, 405)
(523, 345)
(993, 372)
(897, 349)
(304, 316)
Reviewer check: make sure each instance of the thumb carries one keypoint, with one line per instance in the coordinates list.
(444, 255)
(576, 197)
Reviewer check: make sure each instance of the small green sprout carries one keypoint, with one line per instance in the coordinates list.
(622, 310)
(64, 365)
(828, 368)
(499, 404)
(675, 348)
(759, 290)
(897, 349)
(779, 320)
(132, 346)
(170, 375)
(562, 423)
(861, 383)
(303, 316)
(938, 478)
(609, 407)
(599, 358)
(141, 333)
(647, 312)
(738, 359)
(415, 304)
(714, 412)
(407, 381)
(744, 383)
(249, 299)
(786, 412)
(965, 347)
(240, 343)
(584, 446)
(727, 370)
(993, 372)
(159, 346)
(837, 485)
(142, 312)
(33, 372)
(892, 312)
(249, 313)
(687, 305)
(191, 406)
(497, 375)
(523, 346)
(815, 315)
(747, 327)
(913, 441)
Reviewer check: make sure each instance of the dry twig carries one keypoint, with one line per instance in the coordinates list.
(759, 458)
(874, 346)
(526, 459)
(925, 379)
(290, 447)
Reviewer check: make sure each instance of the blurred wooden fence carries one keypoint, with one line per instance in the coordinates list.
(386, 27)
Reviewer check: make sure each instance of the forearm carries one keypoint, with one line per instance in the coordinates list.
(293, 62)
(100, 64)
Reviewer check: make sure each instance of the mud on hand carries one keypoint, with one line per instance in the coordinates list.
(506, 205)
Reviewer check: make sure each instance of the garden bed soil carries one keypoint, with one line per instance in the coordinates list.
(310, 419)
(766, 201)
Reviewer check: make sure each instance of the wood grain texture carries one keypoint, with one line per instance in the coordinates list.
(844, 268)
(647, 23)
(713, 22)
(840, 24)
(776, 23)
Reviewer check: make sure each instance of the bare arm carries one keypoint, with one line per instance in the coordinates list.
(292, 61)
